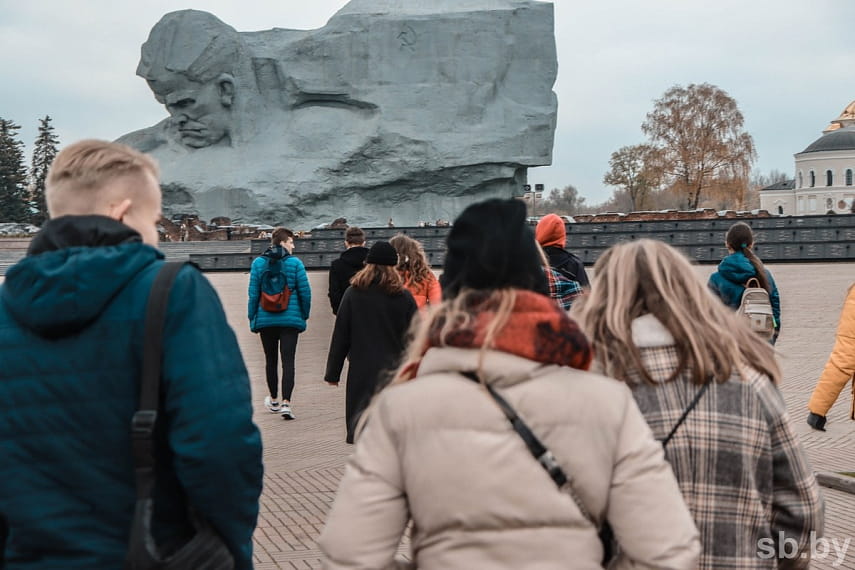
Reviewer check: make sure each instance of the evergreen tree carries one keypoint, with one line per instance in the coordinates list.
(13, 175)
(44, 152)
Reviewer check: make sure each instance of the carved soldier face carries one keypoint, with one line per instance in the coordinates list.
(200, 111)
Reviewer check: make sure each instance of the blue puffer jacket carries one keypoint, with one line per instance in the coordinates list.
(297, 313)
(71, 341)
(729, 283)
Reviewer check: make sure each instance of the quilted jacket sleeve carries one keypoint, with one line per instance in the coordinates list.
(304, 291)
(216, 446)
(774, 299)
(841, 363)
(254, 291)
(724, 290)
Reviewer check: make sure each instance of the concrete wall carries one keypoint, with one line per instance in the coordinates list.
(779, 240)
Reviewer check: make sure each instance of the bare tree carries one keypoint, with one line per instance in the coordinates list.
(630, 173)
(761, 180)
(565, 201)
(697, 137)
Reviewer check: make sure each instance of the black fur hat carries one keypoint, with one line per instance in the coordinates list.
(490, 246)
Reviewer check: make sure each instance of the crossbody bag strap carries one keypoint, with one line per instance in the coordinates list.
(145, 418)
(686, 412)
(536, 448)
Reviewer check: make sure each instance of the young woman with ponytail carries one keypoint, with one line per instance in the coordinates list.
(741, 265)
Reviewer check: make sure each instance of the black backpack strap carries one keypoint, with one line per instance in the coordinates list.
(686, 412)
(144, 420)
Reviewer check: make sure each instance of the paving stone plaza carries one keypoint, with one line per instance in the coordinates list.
(304, 458)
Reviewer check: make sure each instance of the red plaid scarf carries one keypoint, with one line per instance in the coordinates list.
(537, 329)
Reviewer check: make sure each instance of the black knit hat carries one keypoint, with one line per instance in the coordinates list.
(490, 246)
(382, 253)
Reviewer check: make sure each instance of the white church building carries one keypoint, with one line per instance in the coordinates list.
(824, 174)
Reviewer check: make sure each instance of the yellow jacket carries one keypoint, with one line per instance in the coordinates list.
(841, 363)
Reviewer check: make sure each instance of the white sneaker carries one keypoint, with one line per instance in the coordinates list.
(272, 407)
(285, 410)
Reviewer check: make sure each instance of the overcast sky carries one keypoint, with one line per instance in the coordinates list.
(790, 65)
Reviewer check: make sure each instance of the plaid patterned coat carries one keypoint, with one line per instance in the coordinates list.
(562, 289)
(741, 469)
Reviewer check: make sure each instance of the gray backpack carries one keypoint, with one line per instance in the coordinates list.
(756, 309)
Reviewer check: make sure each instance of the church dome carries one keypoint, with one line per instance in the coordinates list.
(840, 139)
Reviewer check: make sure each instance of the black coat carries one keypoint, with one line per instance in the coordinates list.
(341, 270)
(370, 330)
(567, 264)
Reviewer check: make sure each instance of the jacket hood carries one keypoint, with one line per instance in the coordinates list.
(550, 231)
(275, 253)
(737, 268)
(355, 256)
(74, 267)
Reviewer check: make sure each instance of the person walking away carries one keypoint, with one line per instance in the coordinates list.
(370, 330)
(552, 237)
(436, 448)
(72, 316)
(742, 264)
(562, 290)
(342, 269)
(838, 370)
(279, 330)
(415, 271)
(745, 477)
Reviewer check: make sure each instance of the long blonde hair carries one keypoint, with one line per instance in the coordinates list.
(451, 316)
(650, 277)
(412, 262)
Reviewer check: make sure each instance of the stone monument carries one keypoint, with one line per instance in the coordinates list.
(395, 109)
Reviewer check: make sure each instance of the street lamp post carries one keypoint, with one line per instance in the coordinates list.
(533, 197)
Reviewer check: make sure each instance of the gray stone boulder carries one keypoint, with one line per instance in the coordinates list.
(394, 109)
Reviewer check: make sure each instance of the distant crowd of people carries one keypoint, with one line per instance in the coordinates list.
(511, 412)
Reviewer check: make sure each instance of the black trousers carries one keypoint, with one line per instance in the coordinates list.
(279, 341)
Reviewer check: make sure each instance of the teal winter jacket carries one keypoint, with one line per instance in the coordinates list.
(297, 313)
(71, 341)
(728, 283)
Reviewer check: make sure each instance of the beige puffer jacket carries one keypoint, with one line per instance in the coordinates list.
(438, 450)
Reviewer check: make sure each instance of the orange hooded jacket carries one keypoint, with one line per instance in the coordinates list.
(550, 231)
